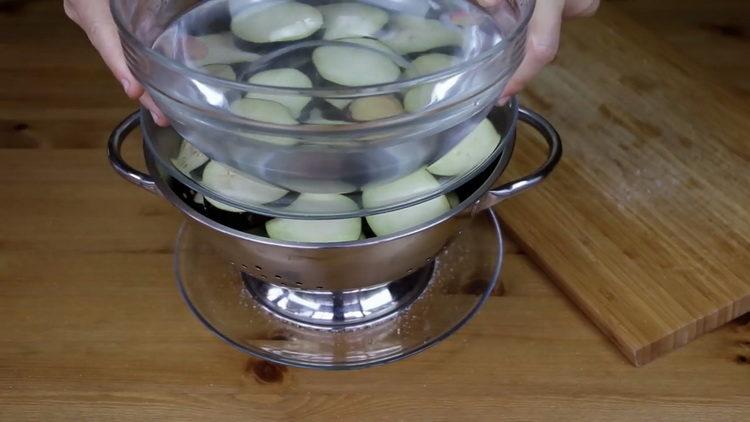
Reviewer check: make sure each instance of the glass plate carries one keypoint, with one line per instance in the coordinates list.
(465, 275)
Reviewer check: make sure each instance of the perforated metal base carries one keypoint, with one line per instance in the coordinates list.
(340, 310)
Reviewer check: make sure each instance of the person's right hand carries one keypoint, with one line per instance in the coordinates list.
(544, 36)
(95, 17)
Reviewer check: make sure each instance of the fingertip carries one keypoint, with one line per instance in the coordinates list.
(514, 86)
(158, 118)
(156, 114)
(132, 88)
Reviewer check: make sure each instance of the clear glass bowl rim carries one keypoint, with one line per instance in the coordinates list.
(345, 92)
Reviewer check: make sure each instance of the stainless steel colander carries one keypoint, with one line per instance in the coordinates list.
(343, 266)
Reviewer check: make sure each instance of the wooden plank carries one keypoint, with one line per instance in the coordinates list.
(645, 224)
(56, 92)
(94, 329)
(713, 34)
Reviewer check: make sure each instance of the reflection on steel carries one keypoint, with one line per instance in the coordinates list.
(336, 310)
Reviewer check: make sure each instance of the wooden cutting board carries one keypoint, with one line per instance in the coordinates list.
(646, 223)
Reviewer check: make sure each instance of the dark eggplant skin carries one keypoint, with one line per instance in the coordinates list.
(242, 221)
(213, 20)
(186, 194)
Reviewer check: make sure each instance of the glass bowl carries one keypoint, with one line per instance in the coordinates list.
(350, 117)
(165, 145)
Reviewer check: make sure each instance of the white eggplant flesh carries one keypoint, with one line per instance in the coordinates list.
(276, 21)
(237, 186)
(317, 231)
(408, 218)
(419, 183)
(224, 207)
(419, 98)
(472, 151)
(375, 108)
(414, 34)
(223, 71)
(345, 20)
(428, 64)
(287, 78)
(356, 66)
(323, 203)
(218, 49)
(268, 112)
(189, 158)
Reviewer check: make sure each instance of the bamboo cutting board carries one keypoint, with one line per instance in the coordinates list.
(646, 223)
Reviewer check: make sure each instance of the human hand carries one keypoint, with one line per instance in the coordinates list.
(95, 18)
(544, 36)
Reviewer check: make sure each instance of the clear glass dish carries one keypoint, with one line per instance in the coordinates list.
(465, 275)
(326, 129)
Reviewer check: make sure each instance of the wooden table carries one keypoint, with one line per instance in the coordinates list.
(94, 329)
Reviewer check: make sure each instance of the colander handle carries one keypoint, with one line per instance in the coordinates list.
(114, 153)
(510, 189)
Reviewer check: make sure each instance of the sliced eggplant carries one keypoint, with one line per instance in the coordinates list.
(317, 231)
(472, 151)
(453, 199)
(430, 63)
(419, 183)
(238, 186)
(189, 158)
(371, 44)
(223, 207)
(287, 78)
(419, 98)
(375, 108)
(275, 21)
(414, 34)
(345, 20)
(223, 71)
(356, 66)
(408, 218)
(263, 111)
(268, 112)
(218, 49)
(227, 215)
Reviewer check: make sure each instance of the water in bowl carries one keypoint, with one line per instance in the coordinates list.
(328, 45)
(283, 65)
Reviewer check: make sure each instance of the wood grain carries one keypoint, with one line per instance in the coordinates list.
(93, 327)
(645, 224)
(713, 34)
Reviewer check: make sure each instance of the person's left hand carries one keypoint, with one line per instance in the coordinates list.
(95, 17)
